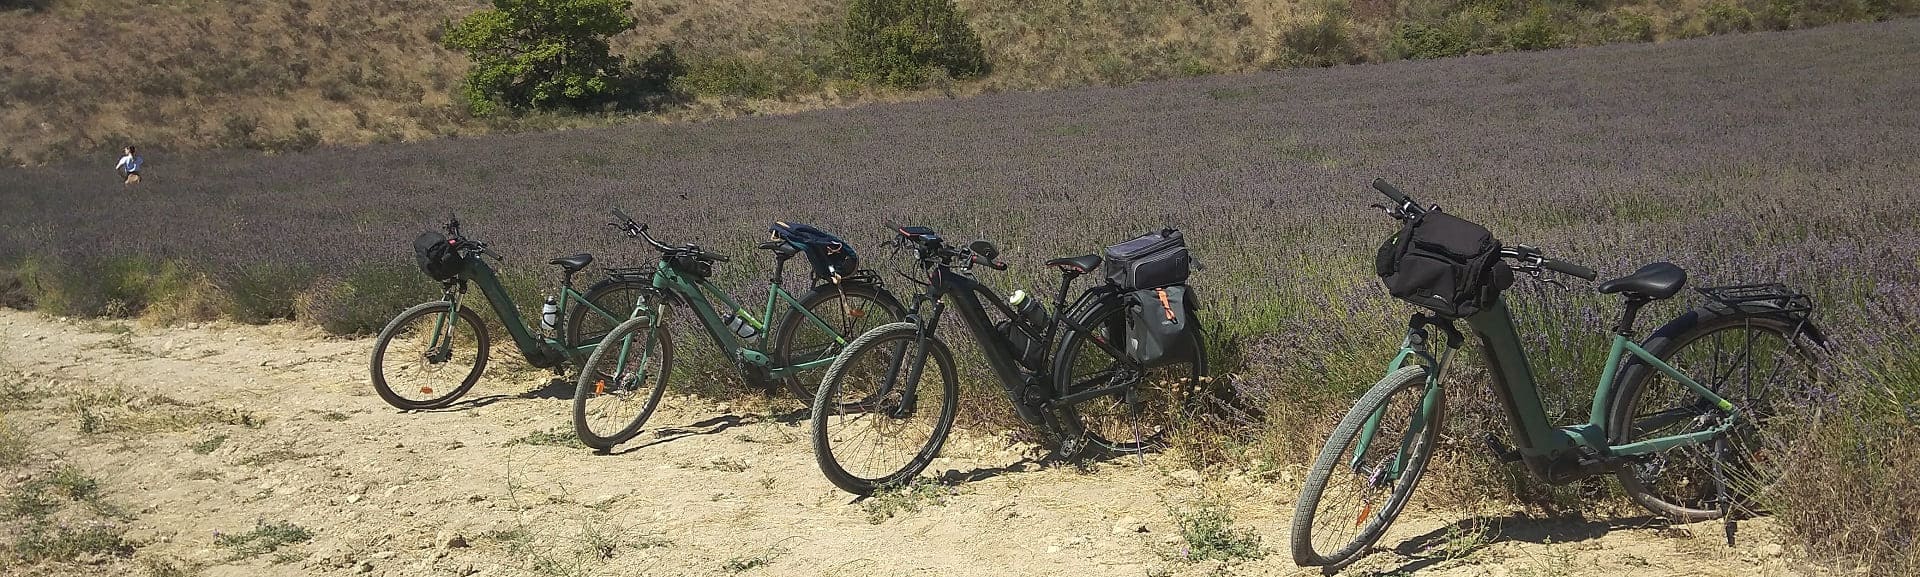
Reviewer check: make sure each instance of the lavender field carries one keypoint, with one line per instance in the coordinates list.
(1788, 156)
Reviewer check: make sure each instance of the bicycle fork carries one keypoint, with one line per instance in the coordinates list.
(1429, 405)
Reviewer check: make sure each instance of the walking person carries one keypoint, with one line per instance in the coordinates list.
(129, 165)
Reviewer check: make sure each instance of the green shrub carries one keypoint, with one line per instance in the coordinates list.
(123, 286)
(1418, 40)
(540, 54)
(899, 42)
(366, 299)
(1726, 18)
(1629, 26)
(260, 293)
(34, 5)
(13, 290)
(1324, 41)
(748, 78)
(1537, 31)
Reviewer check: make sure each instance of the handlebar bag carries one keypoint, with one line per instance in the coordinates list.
(691, 266)
(438, 256)
(1160, 325)
(1444, 263)
(1155, 259)
(830, 256)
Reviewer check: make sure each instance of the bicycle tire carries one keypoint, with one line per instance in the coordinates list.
(377, 362)
(829, 411)
(1373, 526)
(1638, 378)
(591, 385)
(1162, 407)
(585, 326)
(793, 323)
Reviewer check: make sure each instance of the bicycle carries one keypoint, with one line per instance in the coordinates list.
(1682, 431)
(612, 403)
(880, 418)
(430, 332)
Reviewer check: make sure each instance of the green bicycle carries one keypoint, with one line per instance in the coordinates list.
(431, 354)
(1681, 418)
(630, 374)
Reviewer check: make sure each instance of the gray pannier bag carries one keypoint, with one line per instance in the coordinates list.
(1155, 259)
(1160, 325)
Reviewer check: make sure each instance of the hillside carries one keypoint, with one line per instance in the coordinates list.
(88, 76)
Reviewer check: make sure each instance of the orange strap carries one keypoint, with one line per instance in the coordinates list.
(1164, 305)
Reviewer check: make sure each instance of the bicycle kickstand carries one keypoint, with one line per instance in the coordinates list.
(1720, 480)
(1133, 415)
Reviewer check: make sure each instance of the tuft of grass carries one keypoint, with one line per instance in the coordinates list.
(208, 445)
(555, 437)
(272, 456)
(202, 475)
(1207, 531)
(159, 567)
(103, 409)
(761, 558)
(335, 416)
(264, 538)
(15, 448)
(908, 498)
(40, 543)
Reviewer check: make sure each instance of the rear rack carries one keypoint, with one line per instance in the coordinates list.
(1777, 296)
(631, 273)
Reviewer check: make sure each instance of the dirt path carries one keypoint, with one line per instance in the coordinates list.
(303, 440)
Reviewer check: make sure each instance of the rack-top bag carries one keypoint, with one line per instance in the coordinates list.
(829, 255)
(1155, 259)
(1444, 263)
(438, 256)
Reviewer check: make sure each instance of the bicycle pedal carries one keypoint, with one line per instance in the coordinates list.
(1501, 451)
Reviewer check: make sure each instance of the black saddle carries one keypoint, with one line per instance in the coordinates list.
(573, 264)
(1077, 264)
(780, 247)
(1655, 281)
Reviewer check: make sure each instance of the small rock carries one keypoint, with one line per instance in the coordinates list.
(1053, 548)
(382, 555)
(364, 567)
(1129, 525)
(450, 540)
(1772, 550)
(726, 409)
(355, 498)
(455, 445)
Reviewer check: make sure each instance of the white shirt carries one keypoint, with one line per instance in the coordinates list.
(130, 162)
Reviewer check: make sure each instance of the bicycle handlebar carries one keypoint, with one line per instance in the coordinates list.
(1532, 258)
(1564, 267)
(1391, 191)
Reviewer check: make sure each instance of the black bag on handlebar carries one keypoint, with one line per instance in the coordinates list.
(438, 255)
(1160, 326)
(1444, 263)
(1155, 259)
(691, 265)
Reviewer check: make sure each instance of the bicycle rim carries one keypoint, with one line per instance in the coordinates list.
(866, 432)
(1349, 502)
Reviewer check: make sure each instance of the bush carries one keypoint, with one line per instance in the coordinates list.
(540, 54)
(897, 42)
(123, 286)
(1629, 26)
(747, 78)
(260, 293)
(1325, 41)
(1726, 18)
(1537, 31)
(1418, 40)
(34, 5)
(366, 299)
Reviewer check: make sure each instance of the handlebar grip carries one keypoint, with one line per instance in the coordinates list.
(1388, 189)
(715, 257)
(1569, 268)
(621, 215)
(990, 264)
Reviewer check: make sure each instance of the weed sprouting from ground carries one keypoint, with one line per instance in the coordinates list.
(208, 445)
(556, 437)
(887, 502)
(263, 538)
(760, 558)
(1208, 534)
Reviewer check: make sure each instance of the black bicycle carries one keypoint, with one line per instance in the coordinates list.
(883, 410)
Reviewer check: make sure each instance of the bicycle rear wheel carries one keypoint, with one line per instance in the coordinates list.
(622, 382)
(850, 310)
(867, 433)
(1761, 364)
(1355, 490)
(1165, 395)
(428, 356)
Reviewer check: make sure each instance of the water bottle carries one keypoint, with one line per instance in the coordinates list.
(550, 315)
(1029, 308)
(739, 325)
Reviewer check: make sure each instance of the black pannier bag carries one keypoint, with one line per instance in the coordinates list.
(829, 255)
(1155, 259)
(1160, 325)
(1444, 263)
(439, 256)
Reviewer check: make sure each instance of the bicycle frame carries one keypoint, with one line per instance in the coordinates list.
(697, 294)
(1547, 450)
(540, 350)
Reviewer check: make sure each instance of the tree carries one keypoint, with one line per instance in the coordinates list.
(541, 54)
(898, 42)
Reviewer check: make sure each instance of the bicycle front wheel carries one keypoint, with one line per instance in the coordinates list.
(1762, 365)
(622, 382)
(875, 427)
(847, 311)
(1367, 470)
(1163, 396)
(428, 356)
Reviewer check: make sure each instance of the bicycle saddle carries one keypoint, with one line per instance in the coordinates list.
(1079, 264)
(573, 264)
(781, 247)
(1655, 281)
